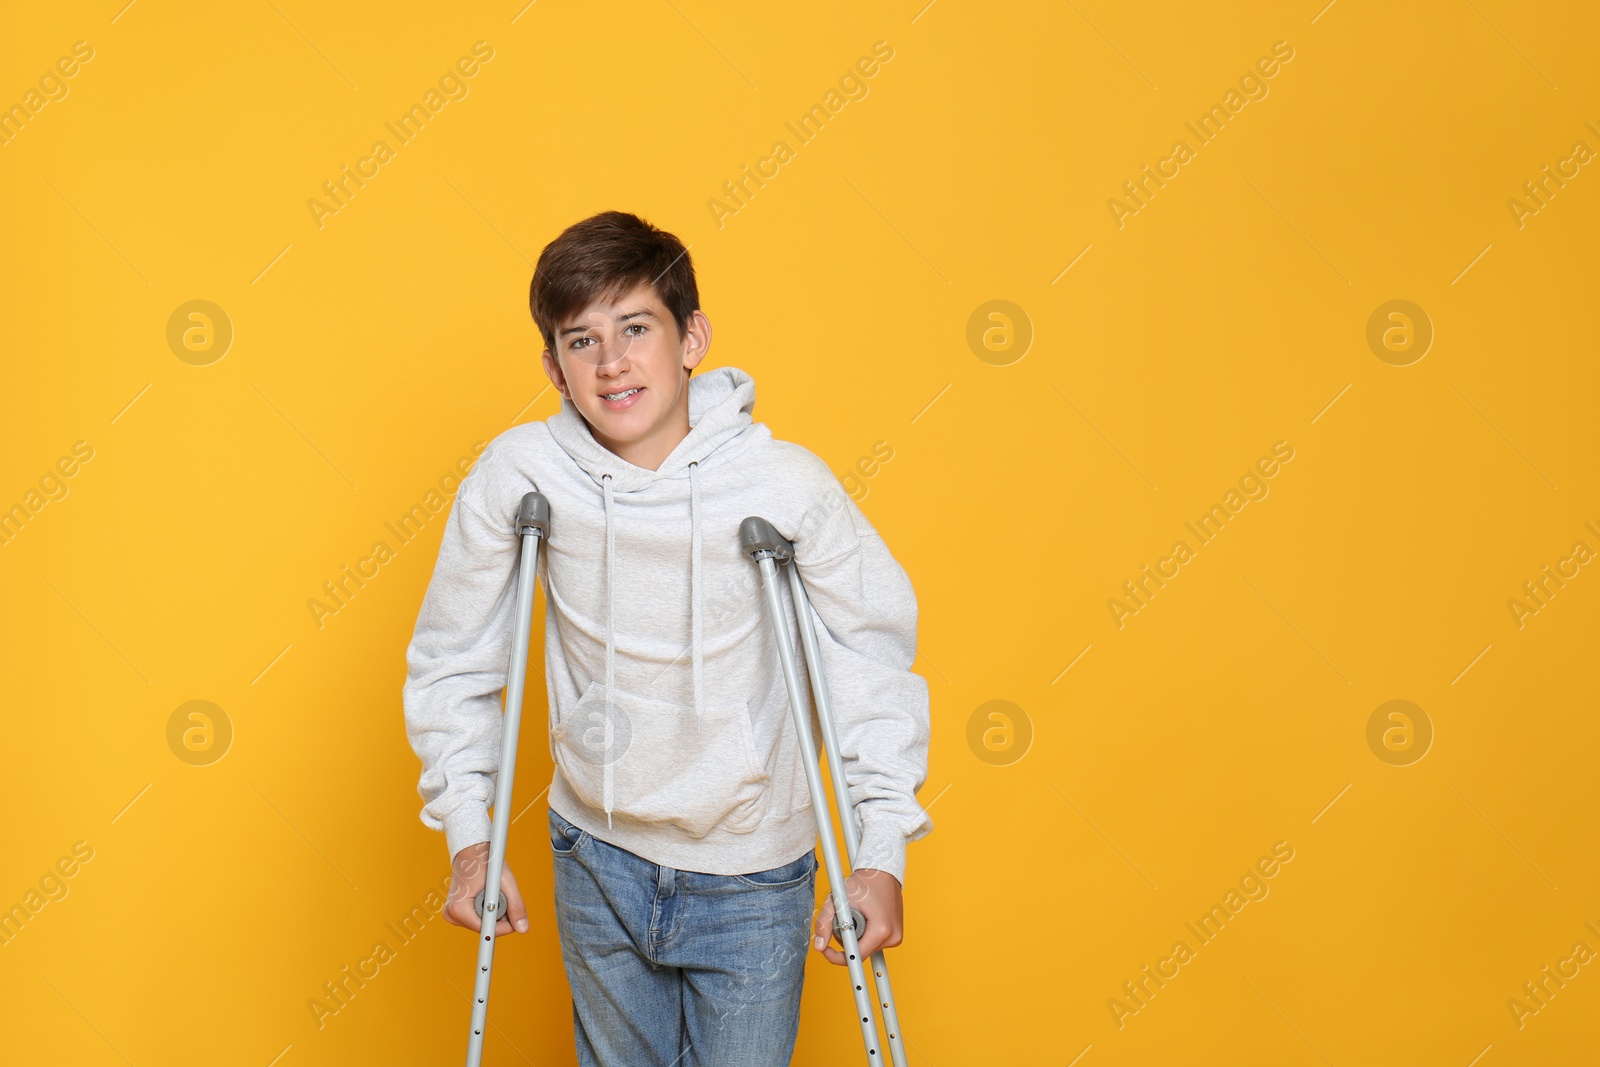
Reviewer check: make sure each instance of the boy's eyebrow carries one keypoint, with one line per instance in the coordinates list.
(621, 318)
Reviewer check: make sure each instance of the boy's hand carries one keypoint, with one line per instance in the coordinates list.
(876, 894)
(469, 871)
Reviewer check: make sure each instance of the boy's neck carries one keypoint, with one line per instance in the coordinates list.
(651, 451)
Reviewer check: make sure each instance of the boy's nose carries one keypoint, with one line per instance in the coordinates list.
(611, 356)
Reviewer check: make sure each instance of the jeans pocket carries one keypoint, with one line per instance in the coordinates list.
(668, 764)
(564, 837)
(790, 874)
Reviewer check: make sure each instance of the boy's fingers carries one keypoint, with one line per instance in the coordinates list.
(501, 928)
(464, 912)
(824, 938)
(515, 911)
(876, 933)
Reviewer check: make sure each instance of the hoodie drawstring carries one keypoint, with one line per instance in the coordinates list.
(611, 645)
(694, 594)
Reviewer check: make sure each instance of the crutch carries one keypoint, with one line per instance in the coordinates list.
(769, 549)
(532, 527)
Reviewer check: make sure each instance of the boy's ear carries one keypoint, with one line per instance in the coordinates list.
(552, 370)
(697, 339)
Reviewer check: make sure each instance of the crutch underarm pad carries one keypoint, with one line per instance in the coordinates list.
(759, 535)
(533, 514)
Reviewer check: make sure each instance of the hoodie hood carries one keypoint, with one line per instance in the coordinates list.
(720, 406)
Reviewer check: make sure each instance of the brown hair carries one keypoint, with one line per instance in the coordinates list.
(603, 257)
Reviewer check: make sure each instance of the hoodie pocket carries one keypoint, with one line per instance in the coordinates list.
(668, 765)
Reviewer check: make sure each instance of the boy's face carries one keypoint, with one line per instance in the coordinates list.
(630, 344)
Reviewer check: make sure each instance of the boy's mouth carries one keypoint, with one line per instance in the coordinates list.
(622, 399)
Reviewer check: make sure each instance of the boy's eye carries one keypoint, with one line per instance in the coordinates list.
(640, 326)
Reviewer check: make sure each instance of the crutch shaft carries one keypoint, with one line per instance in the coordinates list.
(830, 742)
(819, 804)
(532, 526)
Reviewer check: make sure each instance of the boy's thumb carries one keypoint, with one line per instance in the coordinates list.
(516, 911)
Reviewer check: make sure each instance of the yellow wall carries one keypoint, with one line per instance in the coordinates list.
(1154, 757)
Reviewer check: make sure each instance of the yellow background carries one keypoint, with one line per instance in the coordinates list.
(1227, 314)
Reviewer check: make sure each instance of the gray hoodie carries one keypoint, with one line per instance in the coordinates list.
(669, 720)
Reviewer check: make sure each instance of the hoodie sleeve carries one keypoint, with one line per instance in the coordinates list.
(457, 662)
(867, 638)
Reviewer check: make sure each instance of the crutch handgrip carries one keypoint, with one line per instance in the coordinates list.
(759, 535)
(859, 920)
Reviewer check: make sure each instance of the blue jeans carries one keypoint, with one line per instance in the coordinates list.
(673, 968)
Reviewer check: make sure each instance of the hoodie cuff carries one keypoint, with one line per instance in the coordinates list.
(467, 825)
(882, 846)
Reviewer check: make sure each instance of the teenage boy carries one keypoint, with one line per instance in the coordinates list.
(681, 826)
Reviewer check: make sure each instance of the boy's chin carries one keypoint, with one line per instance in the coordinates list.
(617, 422)
(616, 431)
